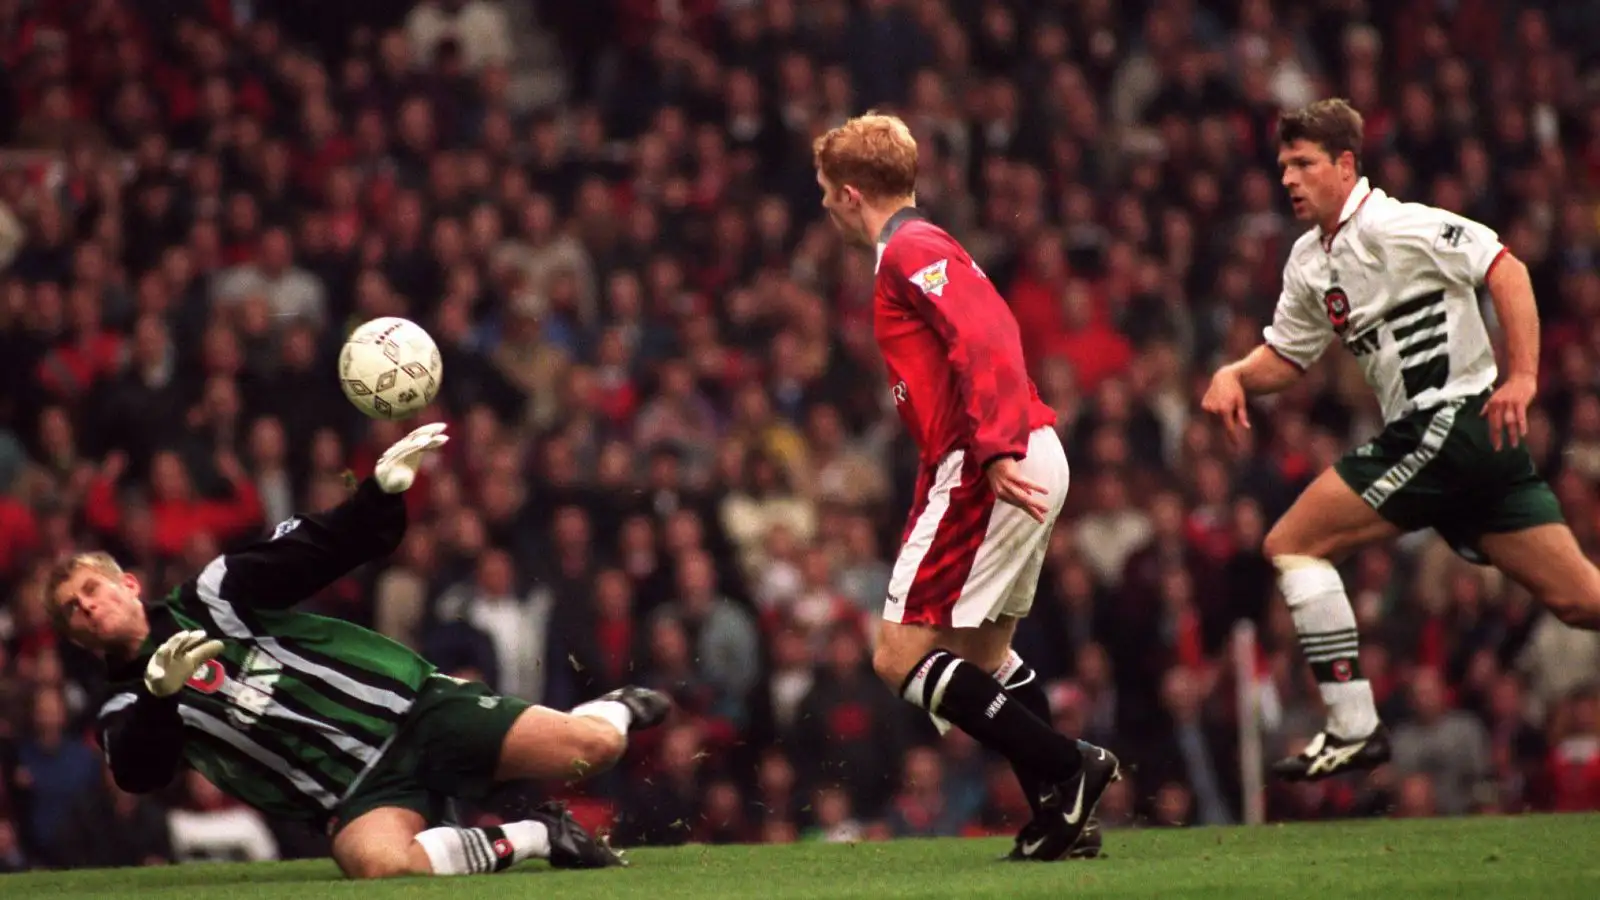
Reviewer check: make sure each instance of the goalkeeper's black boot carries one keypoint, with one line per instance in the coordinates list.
(571, 847)
(1087, 847)
(1327, 756)
(1067, 808)
(648, 708)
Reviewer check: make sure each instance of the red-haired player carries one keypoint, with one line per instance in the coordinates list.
(992, 482)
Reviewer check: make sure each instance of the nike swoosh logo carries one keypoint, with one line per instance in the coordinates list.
(1031, 847)
(1077, 805)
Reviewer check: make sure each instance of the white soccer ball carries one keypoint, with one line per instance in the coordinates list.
(390, 368)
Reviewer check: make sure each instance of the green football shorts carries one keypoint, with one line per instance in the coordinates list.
(1436, 468)
(448, 748)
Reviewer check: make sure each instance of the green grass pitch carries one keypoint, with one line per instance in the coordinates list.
(1534, 856)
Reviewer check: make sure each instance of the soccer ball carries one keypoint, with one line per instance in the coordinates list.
(390, 368)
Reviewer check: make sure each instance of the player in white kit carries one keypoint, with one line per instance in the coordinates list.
(1396, 283)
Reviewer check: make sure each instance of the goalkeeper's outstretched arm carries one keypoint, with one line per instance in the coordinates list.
(307, 553)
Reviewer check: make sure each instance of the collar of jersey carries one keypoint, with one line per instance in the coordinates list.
(162, 626)
(896, 221)
(1352, 205)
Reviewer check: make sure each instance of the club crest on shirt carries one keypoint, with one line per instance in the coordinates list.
(208, 678)
(932, 278)
(1338, 303)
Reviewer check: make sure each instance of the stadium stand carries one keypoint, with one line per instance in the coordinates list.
(676, 462)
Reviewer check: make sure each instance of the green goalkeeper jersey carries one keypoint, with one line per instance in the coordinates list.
(298, 707)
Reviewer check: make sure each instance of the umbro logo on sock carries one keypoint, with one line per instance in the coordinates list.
(994, 706)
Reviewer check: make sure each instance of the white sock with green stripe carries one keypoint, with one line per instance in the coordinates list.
(479, 851)
(1326, 626)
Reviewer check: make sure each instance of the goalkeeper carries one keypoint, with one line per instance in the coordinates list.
(317, 719)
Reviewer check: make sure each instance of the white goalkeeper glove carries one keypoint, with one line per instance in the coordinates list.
(397, 467)
(176, 661)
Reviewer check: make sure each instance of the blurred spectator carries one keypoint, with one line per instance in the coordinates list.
(214, 828)
(1448, 746)
(1518, 748)
(1575, 752)
(110, 827)
(836, 822)
(663, 808)
(863, 575)
(54, 770)
(516, 625)
(1115, 528)
(477, 28)
(850, 731)
(924, 807)
(12, 859)
(723, 817)
(725, 642)
(1189, 760)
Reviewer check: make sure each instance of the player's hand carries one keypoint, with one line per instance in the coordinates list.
(397, 467)
(1005, 479)
(1226, 399)
(176, 661)
(1507, 410)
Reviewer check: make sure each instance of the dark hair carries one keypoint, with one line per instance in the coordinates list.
(1333, 124)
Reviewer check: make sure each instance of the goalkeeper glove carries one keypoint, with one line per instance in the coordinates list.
(397, 467)
(176, 661)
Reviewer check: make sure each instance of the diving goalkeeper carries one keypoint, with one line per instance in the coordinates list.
(317, 719)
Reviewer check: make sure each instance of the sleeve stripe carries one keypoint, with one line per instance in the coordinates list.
(117, 703)
(209, 587)
(1504, 252)
(1285, 357)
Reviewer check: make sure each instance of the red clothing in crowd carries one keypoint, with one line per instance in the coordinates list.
(175, 522)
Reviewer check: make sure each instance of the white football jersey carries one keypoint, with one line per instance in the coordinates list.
(1397, 284)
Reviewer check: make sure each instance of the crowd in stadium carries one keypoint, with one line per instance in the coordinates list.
(676, 462)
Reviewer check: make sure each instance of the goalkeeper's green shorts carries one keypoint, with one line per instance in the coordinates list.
(448, 748)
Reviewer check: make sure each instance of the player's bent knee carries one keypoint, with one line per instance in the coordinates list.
(1575, 608)
(597, 747)
(1283, 543)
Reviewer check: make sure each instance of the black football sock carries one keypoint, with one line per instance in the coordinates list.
(1024, 686)
(953, 689)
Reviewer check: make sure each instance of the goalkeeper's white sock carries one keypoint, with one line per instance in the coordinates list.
(613, 713)
(1326, 626)
(479, 851)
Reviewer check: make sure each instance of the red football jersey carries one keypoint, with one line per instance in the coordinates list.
(952, 347)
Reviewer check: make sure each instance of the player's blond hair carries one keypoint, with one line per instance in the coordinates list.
(1333, 124)
(97, 560)
(873, 153)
